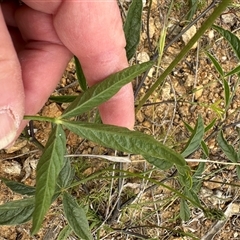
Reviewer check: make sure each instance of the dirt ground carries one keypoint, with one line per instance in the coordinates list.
(192, 89)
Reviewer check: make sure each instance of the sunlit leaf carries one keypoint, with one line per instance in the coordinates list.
(16, 212)
(76, 217)
(215, 107)
(132, 27)
(80, 75)
(48, 169)
(195, 139)
(233, 40)
(19, 187)
(216, 64)
(104, 90)
(184, 210)
(124, 140)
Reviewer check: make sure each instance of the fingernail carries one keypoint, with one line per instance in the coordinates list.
(8, 127)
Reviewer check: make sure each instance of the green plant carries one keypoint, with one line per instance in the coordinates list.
(55, 175)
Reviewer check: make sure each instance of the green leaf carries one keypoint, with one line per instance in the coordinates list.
(159, 163)
(66, 175)
(193, 8)
(65, 232)
(76, 217)
(205, 148)
(215, 107)
(104, 90)
(132, 27)
(234, 71)
(238, 171)
(63, 99)
(210, 125)
(228, 149)
(184, 210)
(216, 64)
(192, 196)
(80, 75)
(226, 92)
(203, 144)
(197, 177)
(16, 212)
(188, 127)
(124, 140)
(48, 169)
(231, 38)
(19, 187)
(195, 139)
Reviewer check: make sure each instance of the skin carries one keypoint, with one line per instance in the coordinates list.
(37, 41)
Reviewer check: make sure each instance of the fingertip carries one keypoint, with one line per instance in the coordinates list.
(119, 110)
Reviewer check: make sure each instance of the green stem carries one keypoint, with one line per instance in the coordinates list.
(43, 119)
(206, 25)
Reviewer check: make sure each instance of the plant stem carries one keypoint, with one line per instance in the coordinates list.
(42, 119)
(206, 25)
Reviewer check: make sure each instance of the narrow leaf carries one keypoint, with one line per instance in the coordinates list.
(188, 127)
(197, 177)
(132, 27)
(16, 212)
(193, 196)
(210, 125)
(76, 217)
(227, 148)
(205, 148)
(193, 8)
(195, 139)
(159, 163)
(238, 171)
(80, 75)
(216, 64)
(48, 168)
(184, 210)
(65, 232)
(233, 40)
(19, 187)
(226, 92)
(234, 71)
(104, 90)
(63, 99)
(66, 175)
(203, 144)
(123, 139)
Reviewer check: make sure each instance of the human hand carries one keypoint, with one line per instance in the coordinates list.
(36, 45)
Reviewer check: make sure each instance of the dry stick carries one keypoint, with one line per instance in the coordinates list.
(148, 24)
(155, 56)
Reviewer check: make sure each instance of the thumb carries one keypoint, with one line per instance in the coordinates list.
(11, 90)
